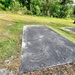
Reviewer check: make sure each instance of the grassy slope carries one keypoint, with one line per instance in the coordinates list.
(11, 26)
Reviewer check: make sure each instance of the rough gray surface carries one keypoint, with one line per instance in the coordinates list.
(4, 72)
(71, 29)
(42, 48)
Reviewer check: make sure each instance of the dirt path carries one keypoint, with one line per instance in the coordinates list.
(2, 15)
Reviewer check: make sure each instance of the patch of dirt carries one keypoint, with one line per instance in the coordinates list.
(68, 69)
(13, 66)
(1, 66)
(5, 22)
(2, 15)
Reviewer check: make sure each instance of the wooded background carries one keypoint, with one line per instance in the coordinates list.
(52, 8)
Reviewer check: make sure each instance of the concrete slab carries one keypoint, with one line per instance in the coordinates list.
(71, 29)
(42, 48)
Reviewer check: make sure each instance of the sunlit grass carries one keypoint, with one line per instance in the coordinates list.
(11, 26)
(69, 35)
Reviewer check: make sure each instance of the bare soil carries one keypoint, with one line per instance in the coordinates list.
(67, 69)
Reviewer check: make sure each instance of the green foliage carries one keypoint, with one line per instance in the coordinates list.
(54, 8)
(16, 6)
(7, 4)
(37, 10)
(74, 10)
(74, 13)
(65, 5)
(1, 6)
(34, 7)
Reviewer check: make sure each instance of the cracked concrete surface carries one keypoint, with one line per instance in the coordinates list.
(42, 48)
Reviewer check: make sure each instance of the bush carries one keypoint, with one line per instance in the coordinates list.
(37, 10)
(30, 13)
(16, 6)
(24, 10)
(2, 7)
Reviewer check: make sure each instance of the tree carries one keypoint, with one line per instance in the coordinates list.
(65, 5)
(47, 7)
(54, 8)
(7, 3)
(35, 7)
(25, 3)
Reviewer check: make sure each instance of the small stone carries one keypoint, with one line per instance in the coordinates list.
(11, 73)
(7, 62)
(4, 72)
(9, 24)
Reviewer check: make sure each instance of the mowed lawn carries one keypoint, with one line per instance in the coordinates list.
(11, 28)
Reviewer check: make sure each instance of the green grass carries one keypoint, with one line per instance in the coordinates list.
(11, 26)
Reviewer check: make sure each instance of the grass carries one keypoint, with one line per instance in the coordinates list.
(11, 26)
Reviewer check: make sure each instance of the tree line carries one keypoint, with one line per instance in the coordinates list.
(52, 8)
